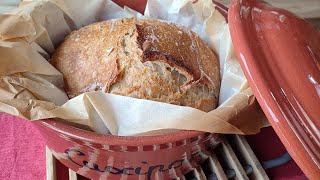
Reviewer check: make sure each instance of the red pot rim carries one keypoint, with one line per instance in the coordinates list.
(77, 133)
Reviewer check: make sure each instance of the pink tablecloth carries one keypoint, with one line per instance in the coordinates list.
(22, 152)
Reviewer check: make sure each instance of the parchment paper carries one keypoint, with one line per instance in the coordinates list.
(32, 89)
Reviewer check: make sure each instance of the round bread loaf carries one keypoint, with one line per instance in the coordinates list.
(140, 58)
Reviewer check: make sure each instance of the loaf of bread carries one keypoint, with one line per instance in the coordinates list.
(140, 58)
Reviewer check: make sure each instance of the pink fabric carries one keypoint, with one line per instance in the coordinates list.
(22, 152)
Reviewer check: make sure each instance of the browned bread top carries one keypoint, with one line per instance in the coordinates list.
(141, 58)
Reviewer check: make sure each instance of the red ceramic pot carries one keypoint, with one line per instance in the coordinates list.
(98, 156)
(115, 157)
(280, 55)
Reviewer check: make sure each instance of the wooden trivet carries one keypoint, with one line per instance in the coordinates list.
(233, 158)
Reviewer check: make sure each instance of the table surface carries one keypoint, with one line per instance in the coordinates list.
(22, 152)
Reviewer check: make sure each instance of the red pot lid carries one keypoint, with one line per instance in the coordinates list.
(280, 55)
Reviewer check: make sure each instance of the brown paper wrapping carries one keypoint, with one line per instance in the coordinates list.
(32, 89)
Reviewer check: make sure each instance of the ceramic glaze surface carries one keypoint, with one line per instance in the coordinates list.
(280, 54)
(109, 157)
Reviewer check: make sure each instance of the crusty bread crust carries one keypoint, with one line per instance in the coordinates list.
(140, 58)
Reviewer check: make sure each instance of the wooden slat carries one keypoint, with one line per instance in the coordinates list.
(217, 169)
(72, 175)
(51, 165)
(233, 160)
(200, 173)
(250, 157)
(302, 8)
